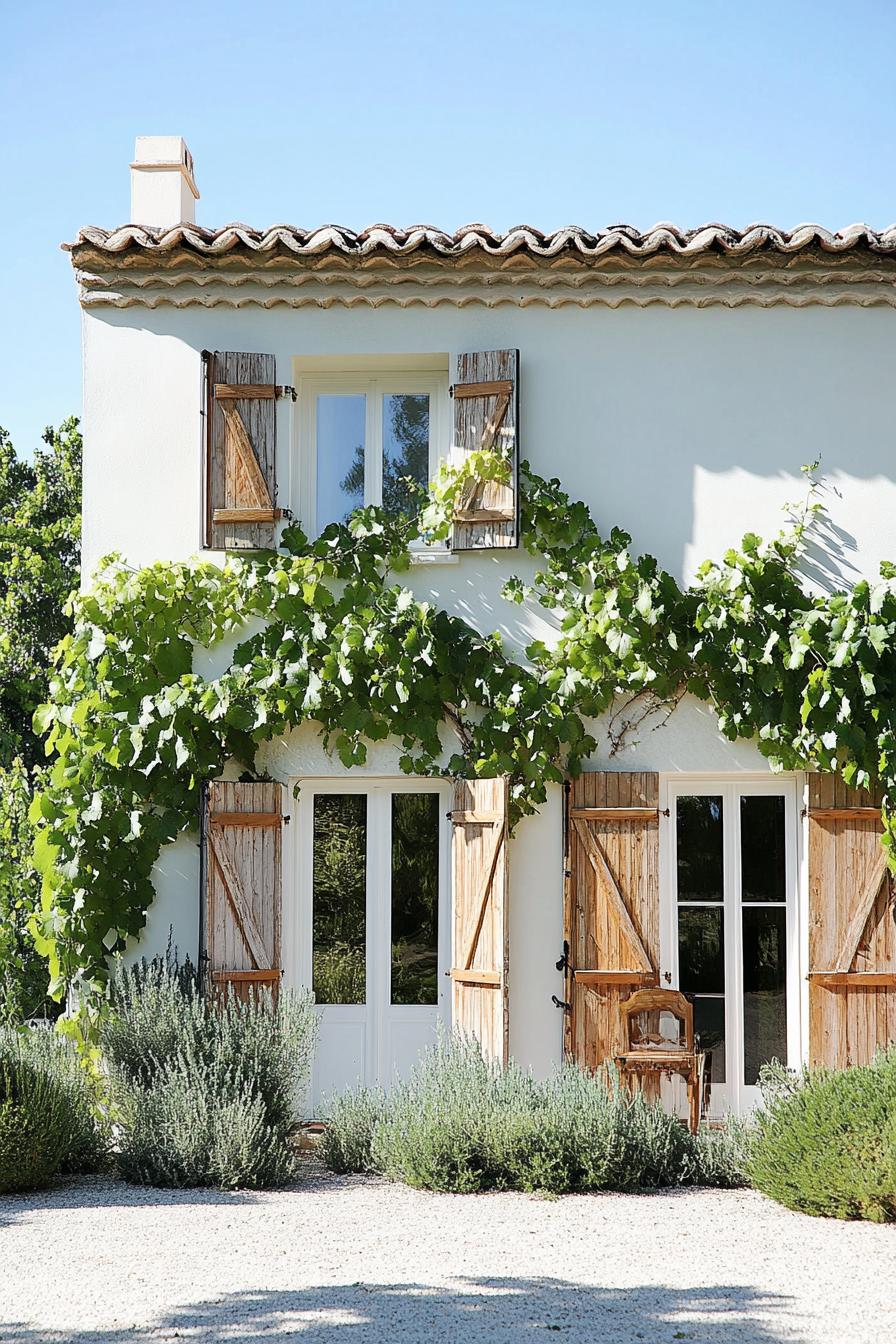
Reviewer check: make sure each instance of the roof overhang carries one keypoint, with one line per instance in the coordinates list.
(236, 265)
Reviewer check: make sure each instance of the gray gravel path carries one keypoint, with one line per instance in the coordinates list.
(351, 1260)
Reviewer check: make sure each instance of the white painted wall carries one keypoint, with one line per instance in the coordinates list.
(685, 426)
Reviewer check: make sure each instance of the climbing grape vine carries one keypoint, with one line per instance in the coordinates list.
(330, 634)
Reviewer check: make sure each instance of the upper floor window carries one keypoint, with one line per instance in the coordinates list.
(363, 436)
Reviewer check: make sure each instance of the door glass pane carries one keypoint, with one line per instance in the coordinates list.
(701, 926)
(700, 854)
(339, 923)
(405, 449)
(701, 955)
(709, 1028)
(341, 428)
(415, 897)
(763, 868)
(701, 976)
(765, 979)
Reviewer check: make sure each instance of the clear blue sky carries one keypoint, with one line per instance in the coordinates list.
(551, 113)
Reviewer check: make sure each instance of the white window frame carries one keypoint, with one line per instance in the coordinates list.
(374, 385)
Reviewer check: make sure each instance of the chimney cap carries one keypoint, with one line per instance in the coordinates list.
(165, 153)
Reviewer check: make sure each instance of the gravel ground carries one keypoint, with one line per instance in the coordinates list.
(349, 1260)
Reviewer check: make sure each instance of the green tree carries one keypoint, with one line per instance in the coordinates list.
(40, 548)
(40, 536)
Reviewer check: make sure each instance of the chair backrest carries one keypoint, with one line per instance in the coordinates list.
(659, 1001)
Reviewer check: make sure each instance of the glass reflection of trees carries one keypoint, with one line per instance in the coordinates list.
(339, 898)
(405, 453)
(415, 897)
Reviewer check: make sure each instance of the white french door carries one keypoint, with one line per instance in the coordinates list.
(730, 926)
(366, 925)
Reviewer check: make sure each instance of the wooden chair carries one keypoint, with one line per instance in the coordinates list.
(649, 1052)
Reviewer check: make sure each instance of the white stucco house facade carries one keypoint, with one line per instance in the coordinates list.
(675, 382)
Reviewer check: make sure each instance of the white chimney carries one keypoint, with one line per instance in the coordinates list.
(163, 192)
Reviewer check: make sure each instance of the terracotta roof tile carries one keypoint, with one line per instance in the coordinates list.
(662, 238)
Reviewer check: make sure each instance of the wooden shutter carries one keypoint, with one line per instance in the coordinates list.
(612, 906)
(241, 835)
(486, 415)
(852, 938)
(480, 939)
(241, 451)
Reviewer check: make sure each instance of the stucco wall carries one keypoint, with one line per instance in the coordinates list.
(685, 426)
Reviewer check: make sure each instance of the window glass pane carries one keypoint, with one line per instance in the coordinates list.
(339, 897)
(415, 897)
(405, 448)
(765, 991)
(698, 823)
(701, 956)
(763, 870)
(341, 426)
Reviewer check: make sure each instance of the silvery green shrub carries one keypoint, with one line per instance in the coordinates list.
(47, 1108)
(205, 1090)
(346, 1142)
(462, 1124)
(58, 1058)
(826, 1141)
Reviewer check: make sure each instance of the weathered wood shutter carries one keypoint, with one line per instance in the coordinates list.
(612, 906)
(852, 938)
(241, 451)
(241, 866)
(480, 931)
(487, 415)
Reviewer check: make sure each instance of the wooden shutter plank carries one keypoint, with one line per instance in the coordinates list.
(471, 515)
(599, 863)
(241, 909)
(476, 977)
(246, 515)
(502, 388)
(479, 925)
(486, 416)
(245, 819)
(866, 904)
(852, 949)
(245, 391)
(615, 813)
(846, 814)
(249, 484)
(241, 446)
(242, 838)
(612, 861)
(483, 894)
(860, 979)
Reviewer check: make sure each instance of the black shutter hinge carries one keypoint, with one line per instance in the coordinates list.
(563, 963)
(561, 1003)
(284, 390)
